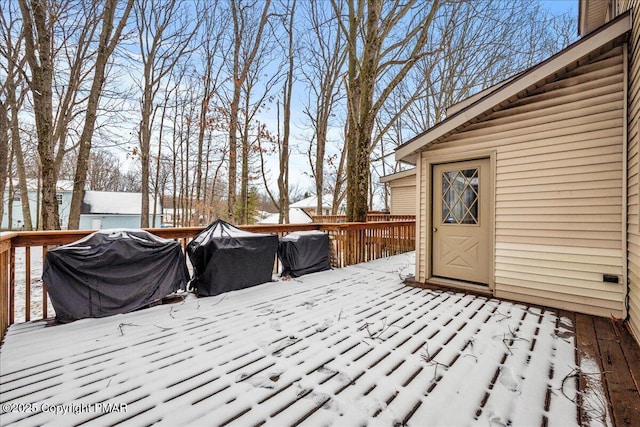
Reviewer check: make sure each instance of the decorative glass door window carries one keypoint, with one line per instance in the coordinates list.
(460, 196)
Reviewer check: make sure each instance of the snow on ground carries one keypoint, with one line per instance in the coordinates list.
(348, 347)
(594, 399)
(36, 285)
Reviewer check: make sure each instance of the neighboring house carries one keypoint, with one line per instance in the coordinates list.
(310, 205)
(296, 216)
(531, 191)
(64, 191)
(402, 188)
(106, 209)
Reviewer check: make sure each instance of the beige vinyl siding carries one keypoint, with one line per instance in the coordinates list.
(633, 181)
(403, 196)
(558, 188)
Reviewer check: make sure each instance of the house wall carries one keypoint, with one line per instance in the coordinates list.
(558, 189)
(403, 196)
(633, 173)
(17, 219)
(115, 221)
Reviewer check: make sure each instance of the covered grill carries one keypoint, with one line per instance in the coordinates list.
(304, 252)
(226, 258)
(111, 272)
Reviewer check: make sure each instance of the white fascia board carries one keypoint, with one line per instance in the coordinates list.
(398, 175)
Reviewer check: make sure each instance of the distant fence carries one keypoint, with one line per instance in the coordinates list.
(351, 243)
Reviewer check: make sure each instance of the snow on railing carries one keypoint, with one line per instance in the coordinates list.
(370, 218)
(22, 255)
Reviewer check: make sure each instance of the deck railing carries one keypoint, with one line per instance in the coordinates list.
(332, 219)
(351, 243)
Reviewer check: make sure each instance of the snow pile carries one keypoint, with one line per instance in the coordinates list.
(296, 216)
(348, 347)
(113, 202)
(594, 400)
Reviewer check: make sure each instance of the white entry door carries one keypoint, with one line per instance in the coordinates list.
(461, 229)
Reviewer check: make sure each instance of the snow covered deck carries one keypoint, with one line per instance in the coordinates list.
(350, 347)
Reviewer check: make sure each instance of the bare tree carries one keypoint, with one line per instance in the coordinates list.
(38, 19)
(281, 139)
(165, 30)
(248, 31)
(103, 173)
(4, 151)
(255, 95)
(62, 36)
(489, 42)
(324, 57)
(209, 83)
(109, 38)
(131, 181)
(283, 177)
(15, 93)
(383, 39)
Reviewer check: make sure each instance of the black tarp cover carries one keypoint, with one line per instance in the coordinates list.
(111, 272)
(304, 252)
(226, 258)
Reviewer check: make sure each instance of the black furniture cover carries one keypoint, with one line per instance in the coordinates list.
(226, 258)
(304, 252)
(112, 271)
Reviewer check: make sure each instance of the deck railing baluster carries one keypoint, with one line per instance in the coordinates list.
(12, 285)
(45, 311)
(27, 283)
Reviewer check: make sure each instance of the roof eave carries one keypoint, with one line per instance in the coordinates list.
(398, 175)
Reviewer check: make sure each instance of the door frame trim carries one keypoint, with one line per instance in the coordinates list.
(428, 162)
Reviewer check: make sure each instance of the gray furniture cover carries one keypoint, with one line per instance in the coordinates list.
(111, 272)
(226, 258)
(304, 252)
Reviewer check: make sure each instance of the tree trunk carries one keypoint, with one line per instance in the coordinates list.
(233, 116)
(244, 172)
(39, 56)
(233, 156)
(14, 126)
(240, 73)
(145, 145)
(283, 177)
(370, 56)
(4, 153)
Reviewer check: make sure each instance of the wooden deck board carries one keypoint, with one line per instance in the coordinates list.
(347, 347)
(631, 351)
(622, 391)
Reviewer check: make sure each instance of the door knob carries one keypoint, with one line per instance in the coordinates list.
(435, 229)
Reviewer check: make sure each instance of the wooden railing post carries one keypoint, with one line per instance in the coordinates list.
(5, 246)
(5, 282)
(12, 285)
